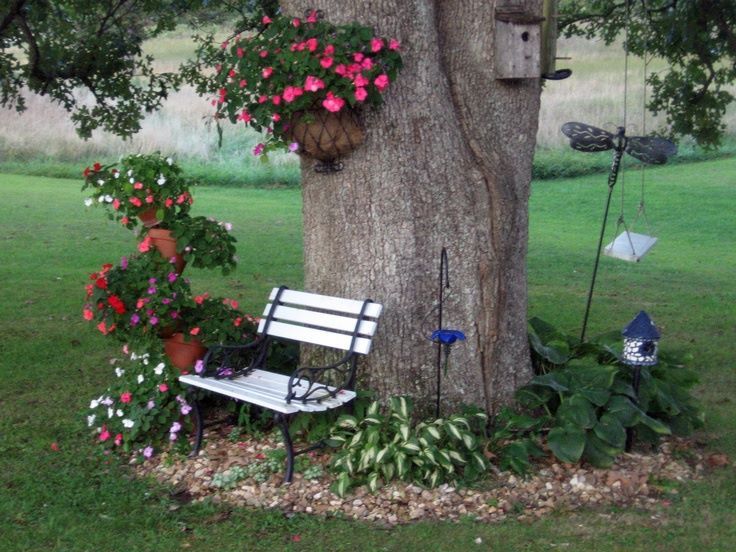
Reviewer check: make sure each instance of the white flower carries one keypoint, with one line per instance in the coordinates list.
(161, 180)
(108, 198)
(107, 401)
(159, 369)
(94, 404)
(133, 356)
(88, 202)
(119, 413)
(169, 160)
(228, 226)
(116, 174)
(90, 420)
(140, 378)
(101, 199)
(119, 372)
(145, 360)
(100, 182)
(110, 412)
(130, 172)
(128, 423)
(131, 180)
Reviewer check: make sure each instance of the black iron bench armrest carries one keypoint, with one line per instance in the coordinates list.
(315, 383)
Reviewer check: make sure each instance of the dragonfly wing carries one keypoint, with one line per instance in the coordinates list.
(587, 138)
(650, 149)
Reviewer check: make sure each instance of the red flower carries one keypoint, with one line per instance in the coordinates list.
(96, 167)
(126, 397)
(266, 20)
(88, 314)
(119, 439)
(104, 435)
(55, 446)
(101, 283)
(194, 331)
(86, 172)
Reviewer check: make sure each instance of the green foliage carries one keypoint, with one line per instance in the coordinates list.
(586, 398)
(137, 184)
(260, 471)
(383, 446)
(205, 242)
(291, 66)
(696, 38)
(144, 410)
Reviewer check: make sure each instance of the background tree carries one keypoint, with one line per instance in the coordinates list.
(697, 39)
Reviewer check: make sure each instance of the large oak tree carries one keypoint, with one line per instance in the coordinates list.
(446, 163)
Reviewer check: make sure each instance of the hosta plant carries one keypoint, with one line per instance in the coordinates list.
(386, 445)
(585, 398)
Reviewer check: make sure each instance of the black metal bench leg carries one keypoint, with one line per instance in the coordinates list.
(198, 429)
(283, 422)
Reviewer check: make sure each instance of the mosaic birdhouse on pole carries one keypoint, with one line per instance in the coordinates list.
(640, 341)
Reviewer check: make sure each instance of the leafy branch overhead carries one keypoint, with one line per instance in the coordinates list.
(697, 40)
(59, 48)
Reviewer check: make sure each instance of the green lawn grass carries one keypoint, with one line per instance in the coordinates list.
(52, 363)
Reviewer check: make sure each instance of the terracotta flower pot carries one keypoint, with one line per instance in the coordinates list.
(325, 135)
(148, 217)
(183, 354)
(165, 243)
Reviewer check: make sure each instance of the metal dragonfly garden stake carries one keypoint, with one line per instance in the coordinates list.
(648, 149)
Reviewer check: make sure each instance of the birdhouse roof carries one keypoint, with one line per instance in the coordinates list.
(641, 327)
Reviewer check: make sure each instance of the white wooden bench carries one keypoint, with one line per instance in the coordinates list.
(241, 371)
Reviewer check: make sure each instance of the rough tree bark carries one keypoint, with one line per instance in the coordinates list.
(447, 162)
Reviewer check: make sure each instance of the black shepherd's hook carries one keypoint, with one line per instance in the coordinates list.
(444, 282)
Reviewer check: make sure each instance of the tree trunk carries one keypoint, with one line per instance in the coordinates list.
(446, 163)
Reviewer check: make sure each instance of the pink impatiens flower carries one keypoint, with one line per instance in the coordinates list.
(393, 44)
(163, 388)
(267, 72)
(360, 94)
(312, 84)
(104, 434)
(333, 103)
(126, 397)
(381, 82)
(291, 93)
(326, 62)
(145, 245)
(376, 44)
(244, 116)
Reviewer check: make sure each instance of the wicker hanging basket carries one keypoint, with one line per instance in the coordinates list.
(324, 135)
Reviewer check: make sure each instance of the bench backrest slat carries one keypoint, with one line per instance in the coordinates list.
(318, 337)
(320, 319)
(301, 316)
(326, 302)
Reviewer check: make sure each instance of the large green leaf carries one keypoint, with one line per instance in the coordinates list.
(623, 409)
(611, 431)
(578, 411)
(594, 377)
(654, 425)
(567, 443)
(599, 453)
(551, 380)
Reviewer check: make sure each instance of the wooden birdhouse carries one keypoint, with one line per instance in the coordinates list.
(518, 43)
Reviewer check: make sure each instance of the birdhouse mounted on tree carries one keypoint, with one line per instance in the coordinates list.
(518, 43)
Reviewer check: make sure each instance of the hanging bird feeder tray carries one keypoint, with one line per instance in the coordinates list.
(630, 246)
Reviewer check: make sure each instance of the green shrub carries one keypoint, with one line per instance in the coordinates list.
(384, 446)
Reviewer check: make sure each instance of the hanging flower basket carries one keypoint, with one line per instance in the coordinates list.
(183, 354)
(326, 136)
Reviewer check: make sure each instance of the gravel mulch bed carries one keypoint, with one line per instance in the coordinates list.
(636, 480)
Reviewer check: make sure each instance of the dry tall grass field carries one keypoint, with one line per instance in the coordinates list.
(594, 94)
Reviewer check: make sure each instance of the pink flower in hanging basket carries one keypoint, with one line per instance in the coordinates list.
(333, 103)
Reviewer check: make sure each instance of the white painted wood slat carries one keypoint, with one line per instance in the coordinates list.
(260, 388)
(326, 302)
(320, 319)
(317, 337)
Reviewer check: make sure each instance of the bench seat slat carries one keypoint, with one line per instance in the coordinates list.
(326, 302)
(320, 319)
(261, 388)
(316, 337)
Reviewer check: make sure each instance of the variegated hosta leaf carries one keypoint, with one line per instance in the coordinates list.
(389, 471)
(479, 461)
(373, 481)
(456, 457)
(469, 441)
(434, 478)
(404, 430)
(429, 454)
(460, 420)
(372, 420)
(384, 454)
(423, 441)
(411, 446)
(373, 408)
(355, 441)
(453, 430)
(434, 432)
(347, 422)
(402, 464)
(444, 459)
(343, 484)
(335, 440)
